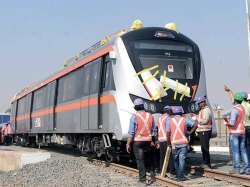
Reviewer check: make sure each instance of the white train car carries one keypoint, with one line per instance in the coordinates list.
(90, 101)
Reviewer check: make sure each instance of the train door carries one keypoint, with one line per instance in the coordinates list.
(84, 100)
(51, 105)
(28, 111)
(94, 94)
(13, 115)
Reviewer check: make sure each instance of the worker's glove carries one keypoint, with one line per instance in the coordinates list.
(128, 148)
(152, 144)
(226, 88)
(157, 145)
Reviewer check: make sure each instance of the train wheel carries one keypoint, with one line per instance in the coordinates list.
(109, 156)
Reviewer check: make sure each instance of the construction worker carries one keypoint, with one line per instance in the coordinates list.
(161, 134)
(6, 133)
(176, 128)
(246, 104)
(236, 127)
(204, 130)
(141, 130)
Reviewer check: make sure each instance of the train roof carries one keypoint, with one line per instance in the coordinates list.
(98, 49)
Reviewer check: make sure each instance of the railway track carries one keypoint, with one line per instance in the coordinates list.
(223, 176)
(201, 177)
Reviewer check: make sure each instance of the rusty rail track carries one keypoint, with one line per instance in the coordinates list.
(223, 176)
(134, 172)
(208, 173)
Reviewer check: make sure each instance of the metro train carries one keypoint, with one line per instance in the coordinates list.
(89, 102)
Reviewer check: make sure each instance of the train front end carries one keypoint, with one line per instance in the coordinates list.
(161, 66)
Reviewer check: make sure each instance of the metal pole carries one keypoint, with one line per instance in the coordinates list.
(248, 27)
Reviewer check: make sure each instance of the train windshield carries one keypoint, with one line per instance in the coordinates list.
(173, 57)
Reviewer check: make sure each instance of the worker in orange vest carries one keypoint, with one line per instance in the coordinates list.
(204, 130)
(161, 134)
(141, 130)
(176, 128)
(6, 133)
(236, 127)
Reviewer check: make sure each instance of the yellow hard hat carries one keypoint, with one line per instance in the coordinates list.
(137, 24)
(171, 26)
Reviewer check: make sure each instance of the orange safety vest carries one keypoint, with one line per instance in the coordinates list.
(239, 127)
(162, 136)
(178, 126)
(144, 121)
(208, 126)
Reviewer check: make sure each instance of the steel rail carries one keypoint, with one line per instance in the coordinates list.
(223, 176)
(134, 172)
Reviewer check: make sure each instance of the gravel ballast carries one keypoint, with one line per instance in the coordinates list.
(66, 169)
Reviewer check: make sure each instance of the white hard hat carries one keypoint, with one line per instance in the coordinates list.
(248, 97)
(137, 24)
(171, 26)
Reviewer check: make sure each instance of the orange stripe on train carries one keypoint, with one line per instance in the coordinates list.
(68, 107)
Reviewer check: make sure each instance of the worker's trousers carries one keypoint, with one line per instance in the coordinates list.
(143, 154)
(238, 147)
(7, 140)
(248, 141)
(204, 139)
(179, 156)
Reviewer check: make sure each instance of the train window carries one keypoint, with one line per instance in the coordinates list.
(21, 106)
(176, 58)
(70, 86)
(86, 79)
(40, 99)
(95, 76)
(108, 83)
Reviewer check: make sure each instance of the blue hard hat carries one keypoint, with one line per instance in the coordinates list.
(138, 102)
(200, 100)
(177, 110)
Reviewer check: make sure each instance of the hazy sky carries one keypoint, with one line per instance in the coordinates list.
(36, 37)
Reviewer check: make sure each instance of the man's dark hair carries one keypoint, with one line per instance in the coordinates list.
(237, 102)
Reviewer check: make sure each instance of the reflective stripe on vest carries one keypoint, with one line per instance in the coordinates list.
(144, 125)
(177, 126)
(208, 126)
(162, 128)
(239, 127)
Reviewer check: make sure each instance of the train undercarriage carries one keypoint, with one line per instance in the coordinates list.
(92, 145)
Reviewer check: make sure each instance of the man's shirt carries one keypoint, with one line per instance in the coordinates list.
(133, 126)
(246, 106)
(207, 116)
(189, 123)
(232, 116)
